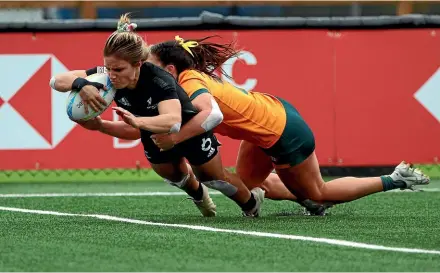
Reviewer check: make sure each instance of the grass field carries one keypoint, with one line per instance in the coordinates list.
(150, 226)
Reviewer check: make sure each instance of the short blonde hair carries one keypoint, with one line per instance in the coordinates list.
(126, 44)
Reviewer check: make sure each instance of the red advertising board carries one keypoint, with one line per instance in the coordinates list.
(368, 95)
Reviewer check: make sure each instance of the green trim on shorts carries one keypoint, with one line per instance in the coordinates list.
(198, 92)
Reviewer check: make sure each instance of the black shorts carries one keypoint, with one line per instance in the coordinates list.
(197, 150)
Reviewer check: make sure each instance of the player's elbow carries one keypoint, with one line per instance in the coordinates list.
(217, 118)
(52, 82)
(62, 82)
(214, 119)
(174, 123)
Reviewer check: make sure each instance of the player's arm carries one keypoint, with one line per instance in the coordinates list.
(208, 118)
(75, 80)
(169, 119)
(120, 130)
(117, 129)
(63, 82)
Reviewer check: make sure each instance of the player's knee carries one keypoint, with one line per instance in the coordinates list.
(266, 185)
(317, 194)
(272, 178)
(179, 183)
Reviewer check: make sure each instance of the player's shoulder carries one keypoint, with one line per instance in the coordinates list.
(191, 74)
(147, 66)
(96, 70)
(155, 75)
(154, 70)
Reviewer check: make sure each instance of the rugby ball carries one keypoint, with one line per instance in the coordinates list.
(75, 107)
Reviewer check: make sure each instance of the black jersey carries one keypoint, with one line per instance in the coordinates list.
(154, 85)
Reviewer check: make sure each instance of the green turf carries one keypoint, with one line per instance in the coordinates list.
(86, 175)
(112, 175)
(60, 243)
(433, 170)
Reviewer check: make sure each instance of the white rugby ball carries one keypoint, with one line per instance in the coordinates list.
(75, 107)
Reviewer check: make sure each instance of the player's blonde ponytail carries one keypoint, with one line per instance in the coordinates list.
(125, 43)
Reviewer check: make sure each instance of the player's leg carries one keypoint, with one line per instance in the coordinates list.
(254, 167)
(204, 157)
(177, 174)
(298, 168)
(171, 166)
(310, 185)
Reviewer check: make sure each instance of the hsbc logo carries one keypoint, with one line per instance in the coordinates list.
(32, 115)
(429, 95)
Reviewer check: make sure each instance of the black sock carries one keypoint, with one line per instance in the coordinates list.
(389, 184)
(250, 204)
(197, 194)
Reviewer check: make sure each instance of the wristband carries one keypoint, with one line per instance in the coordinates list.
(79, 83)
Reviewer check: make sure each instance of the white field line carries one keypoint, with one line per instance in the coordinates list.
(94, 194)
(232, 231)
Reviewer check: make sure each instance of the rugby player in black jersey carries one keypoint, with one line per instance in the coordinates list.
(150, 101)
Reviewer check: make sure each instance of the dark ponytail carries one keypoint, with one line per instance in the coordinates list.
(198, 54)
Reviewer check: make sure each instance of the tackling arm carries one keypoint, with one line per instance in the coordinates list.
(168, 120)
(207, 119)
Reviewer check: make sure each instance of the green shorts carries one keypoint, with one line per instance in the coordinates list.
(296, 142)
